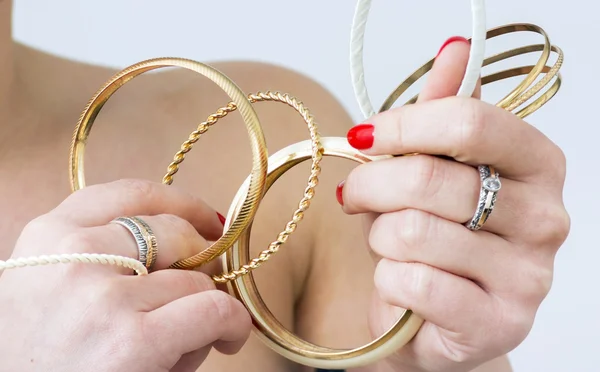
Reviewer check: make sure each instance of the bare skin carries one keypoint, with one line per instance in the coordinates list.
(136, 135)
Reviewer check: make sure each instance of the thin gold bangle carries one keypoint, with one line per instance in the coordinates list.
(309, 192)
(270, 330)
(514, 97)
(256, 185)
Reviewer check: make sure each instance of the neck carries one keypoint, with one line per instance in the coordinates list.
(6, 64)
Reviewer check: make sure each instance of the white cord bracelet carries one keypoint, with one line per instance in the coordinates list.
(357, 38)
(95, 258)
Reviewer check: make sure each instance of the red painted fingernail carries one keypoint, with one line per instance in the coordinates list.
(361, 136)
(221, 218)
(453, 39)
(339, 193)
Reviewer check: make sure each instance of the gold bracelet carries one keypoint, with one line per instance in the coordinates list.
(303, 205)
(517, 96)
(270, 330)
(256, 184)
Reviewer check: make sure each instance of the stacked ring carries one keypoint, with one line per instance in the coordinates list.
(144, 239)
(490, 185)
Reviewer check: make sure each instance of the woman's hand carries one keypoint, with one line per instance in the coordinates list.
(79, 317)
(477, 290)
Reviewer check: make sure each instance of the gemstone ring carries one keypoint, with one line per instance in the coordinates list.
(490, 185)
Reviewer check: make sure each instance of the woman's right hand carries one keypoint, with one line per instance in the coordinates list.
(82, 317)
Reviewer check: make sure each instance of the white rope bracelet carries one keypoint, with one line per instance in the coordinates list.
(357, 38)
(94, 258)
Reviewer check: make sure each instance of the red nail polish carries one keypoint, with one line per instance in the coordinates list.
(361, 136)
(221, 218)
(452, 40)
(339, 193)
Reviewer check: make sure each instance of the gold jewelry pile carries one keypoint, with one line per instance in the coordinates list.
(266, 170)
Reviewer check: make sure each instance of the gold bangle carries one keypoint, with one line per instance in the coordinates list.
(517, 96)
(309, 192)
(256, 184)
(270, 330)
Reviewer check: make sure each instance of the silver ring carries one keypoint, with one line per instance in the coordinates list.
(144, 238)
(490, 185)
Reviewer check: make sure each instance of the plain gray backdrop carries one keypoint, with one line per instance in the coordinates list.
(312, 36)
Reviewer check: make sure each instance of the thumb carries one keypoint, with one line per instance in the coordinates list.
(448, 70)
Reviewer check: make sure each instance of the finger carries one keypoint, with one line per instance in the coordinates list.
(469, 131)
(162, 287)
(98, 204)
(176, 239)
(448, 70)
(196, 321)
(435, 295)
(487, 260)
(445, 188)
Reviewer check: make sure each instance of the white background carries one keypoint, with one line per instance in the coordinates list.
(312, 36)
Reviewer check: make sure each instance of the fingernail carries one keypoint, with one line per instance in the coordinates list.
(339, 193)
(361, 136)
(453, 39)
(221, 218)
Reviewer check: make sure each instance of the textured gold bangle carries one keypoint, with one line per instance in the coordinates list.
(273, 333)
(309, 192)
(520, 94)
(256, 184)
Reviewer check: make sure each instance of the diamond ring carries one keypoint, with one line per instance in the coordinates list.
(490, 185)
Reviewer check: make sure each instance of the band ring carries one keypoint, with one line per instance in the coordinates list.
(144, 238)
(490, 185)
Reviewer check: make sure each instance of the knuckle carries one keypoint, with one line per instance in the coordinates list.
(428, 176)
(558, 161)
(176, 225)
(537, 283)
(513, 327)
(78, 242)
(412, 229)
(404, 284)
(421, 284)
(552, 225)
(223, 305)
(196, 281)
(473, 126)
(136, 187)
(38, 226)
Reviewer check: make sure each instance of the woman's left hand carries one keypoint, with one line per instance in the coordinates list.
(478, 291)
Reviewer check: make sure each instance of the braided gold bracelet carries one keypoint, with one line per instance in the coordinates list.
(303, 205)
